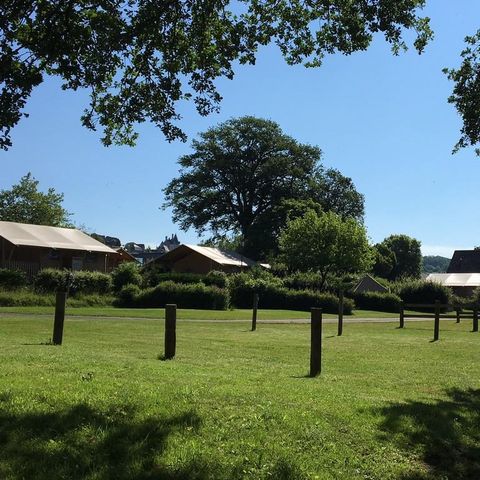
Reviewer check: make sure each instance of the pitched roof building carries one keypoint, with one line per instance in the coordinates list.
(465, 261)
(197, 259)
(33, 247)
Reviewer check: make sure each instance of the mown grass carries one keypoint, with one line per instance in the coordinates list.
(190, 314)
(234, 404)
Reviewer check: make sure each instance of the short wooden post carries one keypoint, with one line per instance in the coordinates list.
(475, 319)
(458, 315)
(340, 313)
(60, 301)
(436, 326)
(316, 342)
(402, 315)
(254, 313)
(170, 330)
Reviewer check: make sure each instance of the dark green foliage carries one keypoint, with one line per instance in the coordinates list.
(397, 257)
(274, 295)
(83, 282)
(419, 291)
(27, 298)
(247, 177)
(218, 279)
(466, 93)
(24, 203)
(127, 273)
(382, 302)
(12, 279)
(303, 281)
(435, 264)
(196, 295)
(127, 295)
(140, 59)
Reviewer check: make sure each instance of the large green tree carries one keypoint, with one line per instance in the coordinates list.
(24, 203)
(326, 244)
(139, 59)
(246, 176)
(398, 256)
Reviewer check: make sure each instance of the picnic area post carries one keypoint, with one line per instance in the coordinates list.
(170, 330)
(436, 325)
(340, 313)
(475, 318)
(59, 320)
(254, 313)
(402, 315)
(316, 342)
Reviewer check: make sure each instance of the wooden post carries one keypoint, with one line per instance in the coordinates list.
(458, 315)
(475, 319)
(340, 313)
(436, 326)
(254, 313)
(59, 320)
(402, 315)
(316, 342)
(170, 330)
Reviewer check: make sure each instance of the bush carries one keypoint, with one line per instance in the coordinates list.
(128, 295)
(419, 291)
(303, 281)
(217, 279)
(91, 283)
(127, 273)
(184, 295)
(50, 280)
(12, 279)
(27, 298)
(383, 302)
(274, 295)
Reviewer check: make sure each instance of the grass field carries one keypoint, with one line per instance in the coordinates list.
(235, 404)
(187, 314)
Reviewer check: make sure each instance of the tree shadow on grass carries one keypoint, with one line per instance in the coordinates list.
(445, 434)
(83, 442)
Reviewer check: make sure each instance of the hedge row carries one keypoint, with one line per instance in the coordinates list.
(184, 295)
(383, 302)
(12, 279)
(50, 280)
(26, 298)
(213, 278)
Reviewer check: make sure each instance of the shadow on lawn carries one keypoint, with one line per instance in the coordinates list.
(82, 442)
(446, 434)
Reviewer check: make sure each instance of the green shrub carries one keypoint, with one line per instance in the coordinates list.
(217, 279)
(303, 281)
(197, 295)
(273, 295)
(27, 298)
(127, 273)
(419, 291)
(383, 302)
(128, 295)
(50, 280)
(12, 279)
(86, 283)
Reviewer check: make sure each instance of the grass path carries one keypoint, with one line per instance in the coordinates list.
(390, 404)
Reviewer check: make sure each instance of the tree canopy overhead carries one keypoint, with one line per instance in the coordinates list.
(247, 177)
(24, 203)
(139, 58)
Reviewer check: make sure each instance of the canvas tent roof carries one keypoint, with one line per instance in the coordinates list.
(456, 279)
(22, 234)
(222, 257)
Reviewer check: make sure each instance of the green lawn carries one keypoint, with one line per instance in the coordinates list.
(235, 404)
(188, 314)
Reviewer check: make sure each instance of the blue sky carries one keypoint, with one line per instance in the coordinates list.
(380, 119)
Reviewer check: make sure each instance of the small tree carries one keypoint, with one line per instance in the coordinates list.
(325, 243)
(24, 203)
